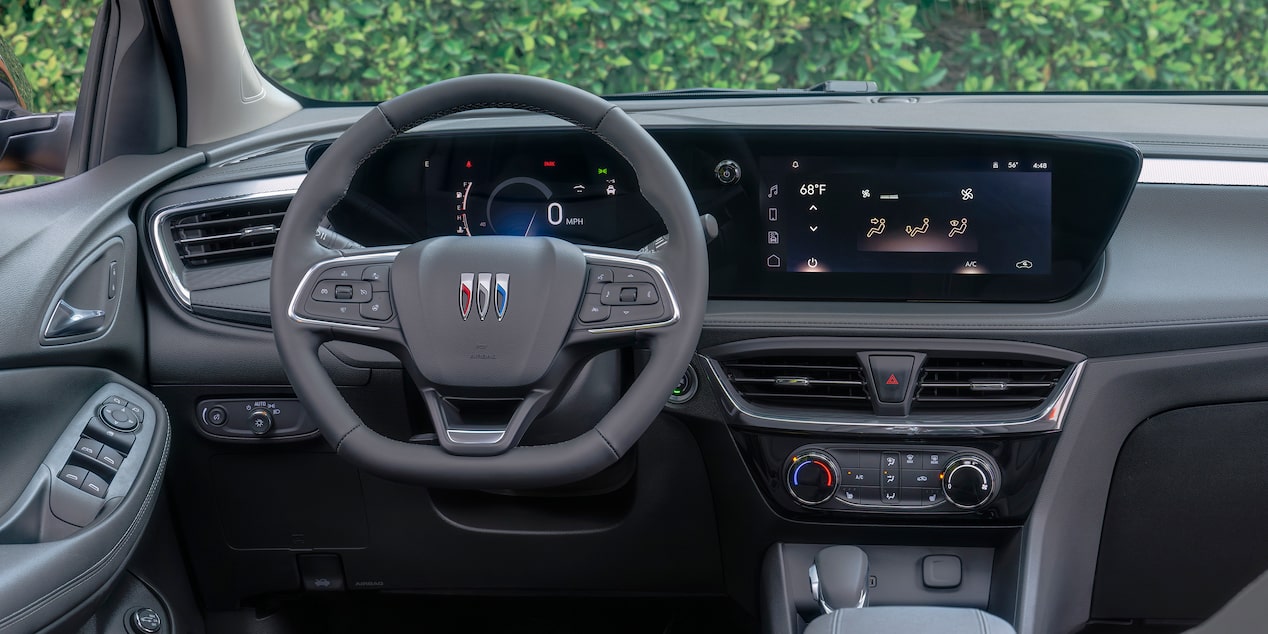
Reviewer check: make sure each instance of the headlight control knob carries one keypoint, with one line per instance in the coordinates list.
(260, 421)
(969, 481)
(812, 477)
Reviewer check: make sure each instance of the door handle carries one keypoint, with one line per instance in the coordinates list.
(67, 321)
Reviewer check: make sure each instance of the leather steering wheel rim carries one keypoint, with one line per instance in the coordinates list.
(683, 261)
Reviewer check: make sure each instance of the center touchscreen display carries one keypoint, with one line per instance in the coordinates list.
(830, 215)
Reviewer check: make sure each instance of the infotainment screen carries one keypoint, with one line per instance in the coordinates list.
(979, 216)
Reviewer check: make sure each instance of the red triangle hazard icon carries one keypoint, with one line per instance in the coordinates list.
(892, 380)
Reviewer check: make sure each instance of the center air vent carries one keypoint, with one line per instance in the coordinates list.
(241, 231)
(800, 382)
(977, 384)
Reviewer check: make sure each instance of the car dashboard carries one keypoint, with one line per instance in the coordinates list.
(1004, 292)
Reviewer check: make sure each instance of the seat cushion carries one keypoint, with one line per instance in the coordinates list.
(909, 620)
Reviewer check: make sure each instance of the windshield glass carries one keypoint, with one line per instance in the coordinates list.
(375, 49)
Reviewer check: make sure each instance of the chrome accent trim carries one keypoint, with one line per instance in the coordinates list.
(159, 242)
(381, 257)
(501, 294)
(475, 436)
(466, 293)
(603, 258)
(816, 591)
(1171, 171)
(484, 282)
(1050, 418)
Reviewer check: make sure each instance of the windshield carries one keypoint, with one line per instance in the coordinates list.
(375, 49)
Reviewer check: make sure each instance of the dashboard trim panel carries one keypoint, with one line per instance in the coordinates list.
(1167, 171)
(1050, 417)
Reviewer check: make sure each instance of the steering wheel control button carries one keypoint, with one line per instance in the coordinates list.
(145, 621)
(627, 276)
(73, 475)
(260, 421)
(813, 477)
(969, 481)
(97, 430)
(343, 311)
(626, 315)
(377, 276)
(320, 573)
(890, 376)
(95, 485)
(88, 447)
(379, 308)
(599, 276)
(593, 310)
(343, 273)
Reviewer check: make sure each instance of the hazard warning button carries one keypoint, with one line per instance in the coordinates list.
(891, 375)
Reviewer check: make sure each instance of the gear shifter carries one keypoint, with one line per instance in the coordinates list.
(838, 578)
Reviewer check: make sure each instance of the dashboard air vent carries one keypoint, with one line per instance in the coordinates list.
(948, 384)
(241, 231)
(800, 381)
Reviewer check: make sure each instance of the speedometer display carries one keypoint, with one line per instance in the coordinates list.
(520, 184)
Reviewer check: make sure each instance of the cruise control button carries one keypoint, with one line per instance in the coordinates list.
(379, 308)
(325, 291)
(342, 311)
(637, 314)
(95, 485)
(88, 447)
(593, 310)
(920, 478)
(73, 475)
(377, 276)
(631, 275)
(343, 273)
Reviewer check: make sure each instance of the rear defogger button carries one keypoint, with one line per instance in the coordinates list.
(891, 375)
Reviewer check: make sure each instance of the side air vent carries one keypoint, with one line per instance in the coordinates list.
(234, 232)
(953, 384)
(800, 382)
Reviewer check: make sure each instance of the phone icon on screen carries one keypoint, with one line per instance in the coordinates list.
(772, 214)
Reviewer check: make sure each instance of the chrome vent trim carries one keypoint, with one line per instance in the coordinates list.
(985, 383)
(835, 382)
(1049, 416)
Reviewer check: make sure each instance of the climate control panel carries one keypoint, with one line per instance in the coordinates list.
(897, 478)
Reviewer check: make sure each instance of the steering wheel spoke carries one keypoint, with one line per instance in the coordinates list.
(349, 298)
(626, 293)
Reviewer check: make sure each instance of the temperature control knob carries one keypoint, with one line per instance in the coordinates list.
(812, 477)
(969, 481)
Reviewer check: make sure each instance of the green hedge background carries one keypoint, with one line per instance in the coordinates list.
(375, 49)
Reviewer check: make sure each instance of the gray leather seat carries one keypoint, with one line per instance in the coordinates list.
(909, 620)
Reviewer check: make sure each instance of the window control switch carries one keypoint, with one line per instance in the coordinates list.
(88, 447)
(73, 475)
(110, 457)
(95, 485)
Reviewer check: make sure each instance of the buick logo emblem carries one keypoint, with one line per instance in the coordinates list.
(483, 289)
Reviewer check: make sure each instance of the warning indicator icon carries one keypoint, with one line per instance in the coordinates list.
(892, 380)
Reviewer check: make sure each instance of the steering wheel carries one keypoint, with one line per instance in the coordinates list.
(491, 328)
